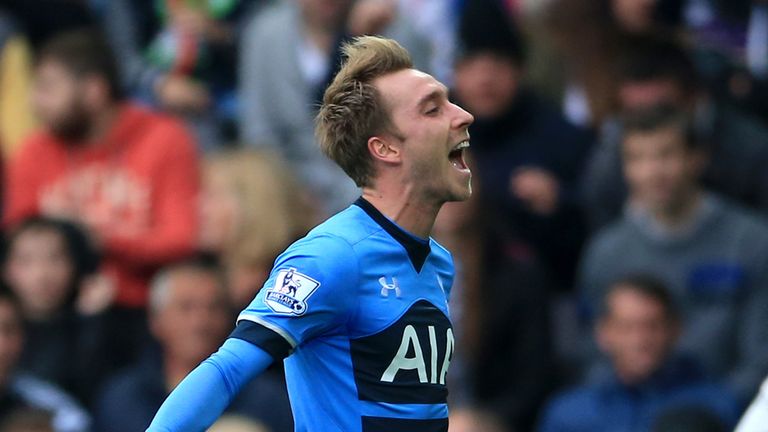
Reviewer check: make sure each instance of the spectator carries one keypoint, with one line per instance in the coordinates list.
(182, 56)
(529, 157)
(301, 40)
(28, 420)
(474, 420)
(25, 392)
(189, 317)
(578, 51)
(712, 254)
(49, 266)
(689, 419)
(661, 72)
(435, 21)
(252, 209)
(637, 330)
(499, 305)
(16, 119)
(128, 175)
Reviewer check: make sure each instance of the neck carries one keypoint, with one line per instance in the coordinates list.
(103, 122)
(415, 216)
(629, 378)
(680, 213)
(175, 370)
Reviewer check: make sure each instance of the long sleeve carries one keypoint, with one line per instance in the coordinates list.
(120, 24)
(203, 395)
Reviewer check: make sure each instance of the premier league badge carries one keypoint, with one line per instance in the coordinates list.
(290, 292)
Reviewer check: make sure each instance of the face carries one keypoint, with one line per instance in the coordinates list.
(649, 94)
(486, 84)
(636, 334)
(59, 103)
(432, 134)
(195, 318)
(325, 13)
(11, 338)
(40, 271)
(218, 212)
(634, 16)
(660, 170)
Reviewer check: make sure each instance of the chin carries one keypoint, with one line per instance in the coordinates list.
(460, 195)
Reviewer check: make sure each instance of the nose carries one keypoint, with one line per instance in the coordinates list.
(463, 118)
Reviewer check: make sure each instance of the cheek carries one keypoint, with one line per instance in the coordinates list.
(218, 214)
(23, 276)
(61, 276)
(54, 105)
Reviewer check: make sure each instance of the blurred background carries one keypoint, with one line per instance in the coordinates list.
(612, 266)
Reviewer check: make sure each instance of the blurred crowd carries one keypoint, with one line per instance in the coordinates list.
(612, 265)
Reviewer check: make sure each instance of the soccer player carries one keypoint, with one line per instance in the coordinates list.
(358, 308)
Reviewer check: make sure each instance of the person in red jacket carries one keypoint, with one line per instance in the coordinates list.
(130, 176)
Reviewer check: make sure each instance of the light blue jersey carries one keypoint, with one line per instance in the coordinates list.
(359, 308)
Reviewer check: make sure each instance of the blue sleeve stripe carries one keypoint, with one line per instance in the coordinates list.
(264, 337)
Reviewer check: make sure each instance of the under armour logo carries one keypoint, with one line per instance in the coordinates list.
(387, 287)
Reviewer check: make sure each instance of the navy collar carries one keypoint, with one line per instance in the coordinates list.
(417, 249)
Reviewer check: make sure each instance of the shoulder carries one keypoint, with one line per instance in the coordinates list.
(321, 244)
(156, 123)
(325, 253)
(157, 133)
(271, 20)
(38, 143)
(610, 239)
(351, 225)
(569, 405)
(744, 224)
(708, 394)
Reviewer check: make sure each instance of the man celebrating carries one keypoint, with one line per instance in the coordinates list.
(366, 319)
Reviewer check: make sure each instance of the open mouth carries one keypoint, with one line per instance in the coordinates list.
(456, 156)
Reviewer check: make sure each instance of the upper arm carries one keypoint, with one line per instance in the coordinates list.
(310, 292)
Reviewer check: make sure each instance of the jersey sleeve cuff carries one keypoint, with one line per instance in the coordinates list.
(267, 336)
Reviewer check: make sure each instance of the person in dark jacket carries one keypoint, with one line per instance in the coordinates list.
(529, 157)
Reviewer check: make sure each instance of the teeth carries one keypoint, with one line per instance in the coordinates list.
(462, 145)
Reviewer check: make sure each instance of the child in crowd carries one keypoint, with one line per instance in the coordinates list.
(51, 267)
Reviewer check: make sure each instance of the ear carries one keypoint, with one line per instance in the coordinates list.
(385, 149)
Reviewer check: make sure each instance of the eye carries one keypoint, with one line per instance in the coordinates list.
(433, 111)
